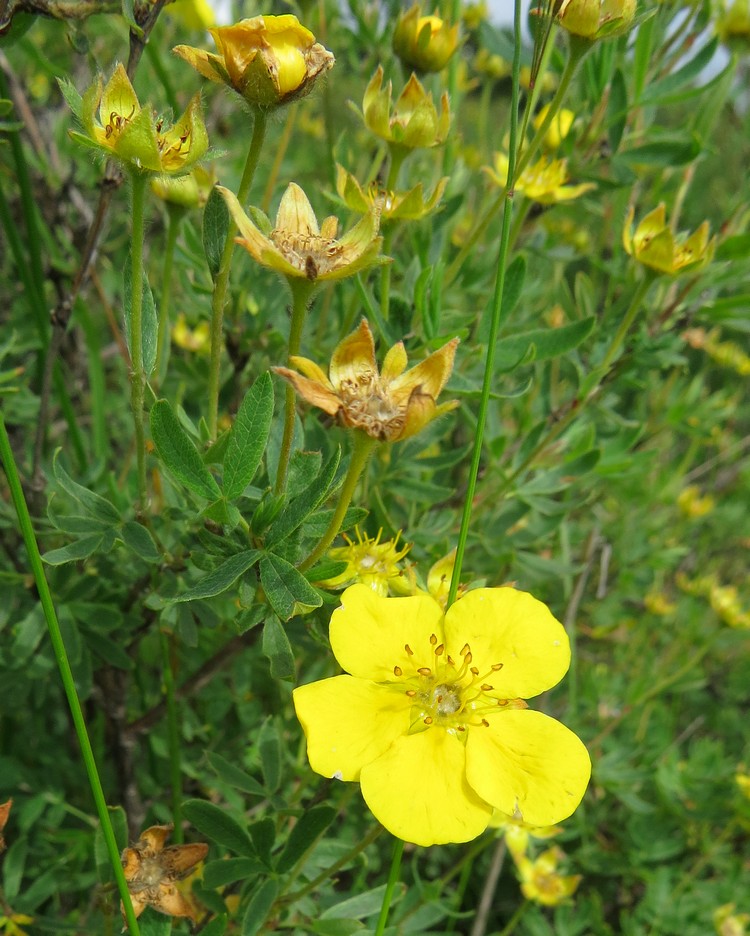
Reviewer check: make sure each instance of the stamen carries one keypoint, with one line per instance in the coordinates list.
(465, 649)
(428, 720)
(411, 693)
(485, 723)
(424, 671)
(485, 687)
(439, 650)
(397, 671)
(496, 667)
(433, 639)
(474, 670)
(408, 649)
(468, 658)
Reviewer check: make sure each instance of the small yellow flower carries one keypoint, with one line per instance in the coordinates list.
(657, 603)
(12, 925)
(428, 717)
(654, 245)
(742, 779)
(191, 339)
(369, 562)
(187, 191)
(474, 14)
(389, 405)
(405, 206)
(596, 19)
(195, 14)
(298, 248)
(269, 60)
(558, 129)
(729, 923)
(425, 43)
(544, 182)
(725, 353)
(439, 579)
(116, 124)
(413, 122)
(733, 24)
(693, 504)
(541, 881)
(517, 833)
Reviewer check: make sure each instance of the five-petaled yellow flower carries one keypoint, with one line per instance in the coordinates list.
(269, 60)
(424, 42)
(387, 405)
(429, 716)
(371, 562)
(133, 134)
(544, 182)
(300, 249)
(654, 245)
(413, 122)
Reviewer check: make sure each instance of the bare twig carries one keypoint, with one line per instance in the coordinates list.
(488, 892)
(55, 9)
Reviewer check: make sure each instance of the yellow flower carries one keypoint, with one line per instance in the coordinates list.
(297, 248)
(596, 19)
(413, 122)
(558, 129)
(428, 717)
(269, 60)
(541, 882)
(424, 42)
(132, 133)
(729, 923)
(187, 191)
(733, 24)
(517, 833)
(406, 206)
(725, 353)
(474, 14)
(195, 14)
(693, 504)
(439, 579)
(191, 339)
(654, 245)
(741, 778)
(657, 603)
(368, 561)
(389, 405)
(544, 182)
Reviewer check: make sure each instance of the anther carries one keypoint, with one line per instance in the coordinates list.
(433, 639)
(397, 671)
(439, 650)
(450, 661)
(485, 723)
(428, 720)
(496, 667)
(461, 727)
(502, 702)
(468, 658)
(465, 649)
(424, 671)
(411, 693)
(485, 687)
(474, 670)
(408, 649)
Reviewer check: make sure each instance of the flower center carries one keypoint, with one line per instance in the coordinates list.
(366, 405)
(117, 123)
(311, 254)
(449, 694)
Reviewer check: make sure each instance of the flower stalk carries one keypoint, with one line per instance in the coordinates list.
(66, 674)
(173, 730)
(222, 277)
(398, 850)
(175, 213)
(137, 374)
(397, 159)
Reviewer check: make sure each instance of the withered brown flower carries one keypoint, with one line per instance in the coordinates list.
(4, 813)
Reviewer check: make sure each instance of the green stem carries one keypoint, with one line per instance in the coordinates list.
(627, 320)
(173, 729)
(58, 646)
(489, 365)
(451, 144)
(137, 375)
(175, 213)
(301, 293)
(363, 446)
(398, 850)
(397, 159)
(327, 875)
(222, 277)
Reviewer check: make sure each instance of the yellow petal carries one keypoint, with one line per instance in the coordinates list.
(369, 633)
(205, 63)
(429, 376)
(118, 97)
(311, 390)
(418, 790)
(349, 723)
(395, 362)
(528, 763)
(310, 369)
(296, 214)
(354, 357)
(504, 625)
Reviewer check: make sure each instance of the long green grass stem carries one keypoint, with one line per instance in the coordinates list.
(176, 214)
(301, 293)
(222, 278)
(173, 729)
(398, 850)
(397, 159)
(489, 365)
(66, 674)
(138, 181)
(363, 446)
(342, 862)
(451, 144)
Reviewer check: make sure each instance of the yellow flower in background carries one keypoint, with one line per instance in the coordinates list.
(429, 717)
(596, 19)
(369, 562)
(412, 122)
(517, 833)
(657, 603)
(542, 882)
(725, 353)
(544, 182)
(742, 779)
(424, 43)
(269, 60)
(116, 124)
(558, 129)
(474, 14)
(693, 504)
(187, 191)
(733, 24)
(195, 14)
(191, 339)
(405, 206)
(729, 923)
(654, 245)
(298, 248)
(439, 579)
(387, 405)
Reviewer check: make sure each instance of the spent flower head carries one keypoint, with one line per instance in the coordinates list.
(430, 719)
(543, 182)
(4, 813)
(269, 60)
(654, 245)
(115, 123)
(370, 562)
(388, 405)
(425, 43)
(300, 249)
(404, 206)
(412, 122)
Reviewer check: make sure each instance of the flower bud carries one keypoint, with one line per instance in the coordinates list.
(424, 43)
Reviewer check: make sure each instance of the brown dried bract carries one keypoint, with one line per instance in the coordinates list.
(4, 813)
(152, 871)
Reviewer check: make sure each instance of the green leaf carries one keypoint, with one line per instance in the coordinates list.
(72, 98)
(215, 229)
(515, 277)
(543, 343)
(336, 927)
(617, 109)
(248, 437)
(221, 578)
(259, 907)
(149, 318)
(139, 539)
(665, 153)
(316, 525)
(101, 856)
(154, 924)
(108, 650)
(286, 588)
(93, 504)
(219, 826)
(128, 13)
(80, 549)
(734, 248)
(216, 927)
(276, 647)
(665, 91)
(178, 453)
(263, 834)
(269, 749)
(233, 775)
(14, 861)
(361, 905)
(229, 870)
(303, 836)
(303, 505)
